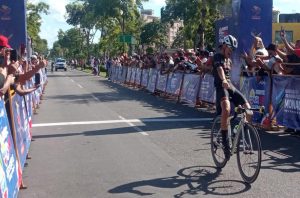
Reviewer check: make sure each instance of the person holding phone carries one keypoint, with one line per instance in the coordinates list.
(6, 77)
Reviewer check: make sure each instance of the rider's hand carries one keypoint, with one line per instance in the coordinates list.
(225, 84)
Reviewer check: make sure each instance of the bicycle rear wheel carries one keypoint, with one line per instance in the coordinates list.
(216, 144)
(249, 153)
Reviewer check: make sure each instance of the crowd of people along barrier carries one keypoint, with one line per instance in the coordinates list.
(22, 84)
(275, 90)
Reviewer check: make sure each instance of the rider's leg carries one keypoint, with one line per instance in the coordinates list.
(248, 117)
(225, 105)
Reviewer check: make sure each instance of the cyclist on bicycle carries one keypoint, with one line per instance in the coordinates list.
(225, 90)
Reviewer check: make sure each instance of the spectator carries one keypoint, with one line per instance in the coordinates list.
(292, 56)
(273, 62)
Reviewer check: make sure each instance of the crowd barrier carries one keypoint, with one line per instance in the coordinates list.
(15, 135)
(278, 94)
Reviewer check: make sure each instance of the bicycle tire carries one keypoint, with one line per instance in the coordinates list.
(251, 139)
(216, 144)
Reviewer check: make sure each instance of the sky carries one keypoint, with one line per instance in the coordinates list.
(56, 19)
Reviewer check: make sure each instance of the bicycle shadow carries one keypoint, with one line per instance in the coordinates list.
(197, 179)
(281, 152)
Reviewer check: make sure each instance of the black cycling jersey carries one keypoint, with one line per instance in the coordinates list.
(220, 61)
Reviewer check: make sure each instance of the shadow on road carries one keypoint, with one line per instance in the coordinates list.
(196, 180)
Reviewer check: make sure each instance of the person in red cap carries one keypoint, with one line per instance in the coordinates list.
(4, 42)
(6, 79)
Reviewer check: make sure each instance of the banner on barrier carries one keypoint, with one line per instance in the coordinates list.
(138, 76)
(286, 101)
(133, 74)
(29, 102)
(161, 82)
(123, 74)
(145, 77)
(21, 124)
(152, 80)
(174, 83)
(190, 88)
(129, 72)
(207, 89)
(119, 74)
(9, 169)
(257, 93)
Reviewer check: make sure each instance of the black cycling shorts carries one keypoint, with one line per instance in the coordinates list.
(232, 94)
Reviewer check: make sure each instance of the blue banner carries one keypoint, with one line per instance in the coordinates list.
(123, 75)
(21, 124)
(286, 101)
(129, 73)
(138, 77)
(190, 88)
(133, 74)
(162, 82)
(119, 74)
(152, 80)
(9, 174)
(207, 89)
(29, 102)
(174, 83)
(13, 22)
(256, 90)
(145, 77)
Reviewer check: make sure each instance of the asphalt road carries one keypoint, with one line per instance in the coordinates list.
(94, 138)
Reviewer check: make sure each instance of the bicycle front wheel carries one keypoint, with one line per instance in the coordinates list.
(249, 153)
(216, 144)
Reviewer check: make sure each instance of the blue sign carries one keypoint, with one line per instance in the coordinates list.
(129, 73)
(256, 90)
(162, 82)
(174, 83)
(13, 22)
(207, 89)
(286, 101)
(152, 80)
(138, 77)
(21, 124)
(145, 77)
(190, 88)
(9, 173)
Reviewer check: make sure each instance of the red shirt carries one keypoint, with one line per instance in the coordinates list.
(297, 52)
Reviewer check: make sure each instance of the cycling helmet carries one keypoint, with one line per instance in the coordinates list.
(230, 41)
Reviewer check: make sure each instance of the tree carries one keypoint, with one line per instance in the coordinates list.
(34, 23)
(198, 16)
(154, 33)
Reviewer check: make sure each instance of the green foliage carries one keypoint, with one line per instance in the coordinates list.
(154, 33)
(198, 17)
(34, 22)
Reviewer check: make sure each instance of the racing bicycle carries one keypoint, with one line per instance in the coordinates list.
(244, 141)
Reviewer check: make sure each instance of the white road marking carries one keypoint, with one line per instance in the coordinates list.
(138, 129)
(79, 86)
(72, 80)
(97, 99)
(123, 121)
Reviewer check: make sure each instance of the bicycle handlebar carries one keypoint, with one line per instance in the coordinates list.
(240, 110)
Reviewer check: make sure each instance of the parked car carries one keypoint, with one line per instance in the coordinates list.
(60, 63)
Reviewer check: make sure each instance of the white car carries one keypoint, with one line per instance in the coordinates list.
(60, 64)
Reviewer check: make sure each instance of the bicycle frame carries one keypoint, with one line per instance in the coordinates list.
(239, 131)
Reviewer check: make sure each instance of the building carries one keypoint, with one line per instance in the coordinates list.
(173, 30)
(290, 23)
(147, 16)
